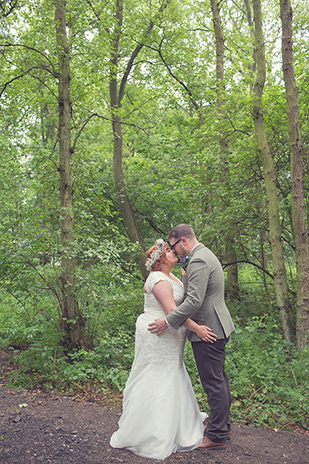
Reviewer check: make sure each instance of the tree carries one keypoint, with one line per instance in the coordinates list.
(232, 271)
(116, 97)
(281, 287)
(297, 194)
(72, 320)
(181, 148)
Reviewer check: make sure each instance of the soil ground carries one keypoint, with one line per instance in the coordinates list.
(56, 429)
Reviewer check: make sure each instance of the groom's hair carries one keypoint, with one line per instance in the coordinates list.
(182, 230)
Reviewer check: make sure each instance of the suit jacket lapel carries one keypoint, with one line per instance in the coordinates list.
(184, 274)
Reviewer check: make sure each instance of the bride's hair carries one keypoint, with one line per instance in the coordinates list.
(156, 266)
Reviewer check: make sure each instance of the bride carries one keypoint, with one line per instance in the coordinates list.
(160, 412)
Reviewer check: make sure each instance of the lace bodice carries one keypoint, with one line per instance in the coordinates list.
(151, 304)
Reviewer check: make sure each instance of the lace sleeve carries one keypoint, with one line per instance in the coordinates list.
(153, 278)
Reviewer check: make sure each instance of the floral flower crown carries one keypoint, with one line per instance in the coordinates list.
(155, 254)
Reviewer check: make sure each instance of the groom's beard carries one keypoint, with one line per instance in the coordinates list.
(182, 254)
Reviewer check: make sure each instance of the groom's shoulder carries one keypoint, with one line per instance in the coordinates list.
(202, 252)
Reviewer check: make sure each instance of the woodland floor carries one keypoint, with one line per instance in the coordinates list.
(36, 428)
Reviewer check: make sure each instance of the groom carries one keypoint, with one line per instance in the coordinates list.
(204, 303)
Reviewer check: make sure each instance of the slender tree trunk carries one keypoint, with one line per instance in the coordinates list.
(281, 287)
(251, 67)
(115, 102)
(307, 199)
(297, 197)
(232, 287)
(263, 257)
(72, 322)
(232, 271)
(116, 97)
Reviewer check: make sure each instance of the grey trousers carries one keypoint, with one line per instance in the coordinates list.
(209, 358)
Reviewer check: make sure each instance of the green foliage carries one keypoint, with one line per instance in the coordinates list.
(107, 364)
(33, 342)
(256, 296)
(175, 171)
(34, 345)
(268, 378)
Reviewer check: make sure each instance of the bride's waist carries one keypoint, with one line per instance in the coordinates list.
(153, 313)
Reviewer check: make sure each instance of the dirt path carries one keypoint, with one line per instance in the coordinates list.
(36, 429)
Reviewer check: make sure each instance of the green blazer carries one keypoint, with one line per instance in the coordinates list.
(204, 295)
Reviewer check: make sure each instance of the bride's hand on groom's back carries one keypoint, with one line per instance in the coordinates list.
(206, 334)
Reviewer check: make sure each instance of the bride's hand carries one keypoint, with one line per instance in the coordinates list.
(206, 334)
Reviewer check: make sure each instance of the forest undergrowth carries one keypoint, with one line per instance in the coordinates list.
(268, 377)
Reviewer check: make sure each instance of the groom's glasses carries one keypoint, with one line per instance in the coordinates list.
(172, 247)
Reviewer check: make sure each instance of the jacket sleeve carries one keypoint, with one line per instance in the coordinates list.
(198, 277)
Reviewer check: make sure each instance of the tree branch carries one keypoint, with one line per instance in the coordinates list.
(136, 51)
(131, 62)
(9, 82)
(249, 262)
(53, 72)
(106, 119)
(12, 5)
(150, 221)
(27, 72)
(234, 128)
(259, 267)
(188, 91)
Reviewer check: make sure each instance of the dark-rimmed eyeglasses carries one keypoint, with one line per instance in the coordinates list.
(172, 247)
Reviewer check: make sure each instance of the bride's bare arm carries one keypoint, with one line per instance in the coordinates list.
(164, 294)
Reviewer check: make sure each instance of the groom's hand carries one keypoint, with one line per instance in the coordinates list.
(158, 326)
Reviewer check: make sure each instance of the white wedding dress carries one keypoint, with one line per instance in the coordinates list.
(160, 412)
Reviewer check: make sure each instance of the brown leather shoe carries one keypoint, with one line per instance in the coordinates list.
(208, 444)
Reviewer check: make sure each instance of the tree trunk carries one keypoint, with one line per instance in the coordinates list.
(263, 256)
(116, 97)
(115, 102)
(297, 197)
(281, 287)
(72, 322)
(307, 199)
(232, 287)
(232, 271)
(251, 67)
